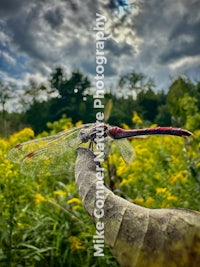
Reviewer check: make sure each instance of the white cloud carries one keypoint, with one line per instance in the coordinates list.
(24, 79)
(185, 63)
(7, 58)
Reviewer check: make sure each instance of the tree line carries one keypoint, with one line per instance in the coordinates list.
(72, 95)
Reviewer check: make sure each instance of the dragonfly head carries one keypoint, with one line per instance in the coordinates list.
(84, 136)
(90, 134)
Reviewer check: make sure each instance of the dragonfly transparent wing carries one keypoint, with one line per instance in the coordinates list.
(47, 155)
(51, 160)
(126, 150)
(19, 152)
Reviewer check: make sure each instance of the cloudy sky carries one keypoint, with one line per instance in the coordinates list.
(158, 38)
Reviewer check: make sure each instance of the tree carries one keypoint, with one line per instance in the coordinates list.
(6, 94)
(148, 102)
(135, 83)
(190, 112)
(177, 91)
(68, 87)
(72, 92)
(163, 117)
(34, 93)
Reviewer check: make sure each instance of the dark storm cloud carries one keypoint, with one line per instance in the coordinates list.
(175, 28)
(54, 17)
(185, 37)
(150, 38)
(9, 7)
(118, 49)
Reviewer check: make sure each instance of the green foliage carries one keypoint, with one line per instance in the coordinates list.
(177, 91)
(136, 82)
(72, 96)
(149, 102)
(189, 111)
(163, 116)
(72, 93)
(42, 220)
(36, 116)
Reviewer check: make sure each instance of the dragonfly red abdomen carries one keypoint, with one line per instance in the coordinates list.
(118, 133)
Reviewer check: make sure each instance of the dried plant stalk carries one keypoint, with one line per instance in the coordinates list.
(138, 236)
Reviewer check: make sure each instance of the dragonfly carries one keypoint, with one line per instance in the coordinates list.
(53, 155)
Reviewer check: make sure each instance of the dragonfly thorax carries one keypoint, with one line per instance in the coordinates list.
(84, 136)
(90, 134)
(87, 135)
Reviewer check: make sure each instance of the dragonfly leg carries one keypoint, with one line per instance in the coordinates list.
(91, 145)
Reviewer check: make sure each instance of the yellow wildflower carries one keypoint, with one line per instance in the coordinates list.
(3, 144)
(180, 176)
(138, 200)
(125, 126)
(172, 198)
(124, 182)
(39, 198)
(136, 118)
(78, 123)
(160, 190)
(197, 133)
(153, 125)
(60, 193)
(174, 160)
(74, 200)
(75, 243)
(120, 170)
(76, 207)
(166, 206)
(23, 135)
(140, 150)
(149, 201)
(20, 225)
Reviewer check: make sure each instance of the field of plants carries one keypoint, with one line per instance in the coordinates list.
(43, 222)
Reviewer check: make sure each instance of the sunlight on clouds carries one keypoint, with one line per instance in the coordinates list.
(153, 37)
(185, 62)
(4, 38)
(23, 79)
(7, 58)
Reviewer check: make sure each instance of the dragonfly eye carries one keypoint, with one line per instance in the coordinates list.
(83, 135)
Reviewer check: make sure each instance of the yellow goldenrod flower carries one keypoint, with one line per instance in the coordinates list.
(125, 126)
(120, 170)
(149, 201)
(60, 193)
(160, 190)
(3, 144)
(172, 198)
(136, 118)
(153, 125)
(23, 135)
(20, 225)
(138, 200)
(124, 182)
(39, 198)
(78, 123)
(180, 176)
(76, 207)
(75, 243)
(74, 200)
(196, 133)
